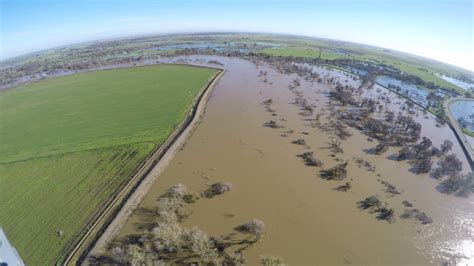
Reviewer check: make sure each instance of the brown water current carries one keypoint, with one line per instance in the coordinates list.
(306, 220)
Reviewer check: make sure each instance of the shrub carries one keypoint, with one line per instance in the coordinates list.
(372, 202)
(270, 260)
(217, 189)
(254, 227)
(381, 148)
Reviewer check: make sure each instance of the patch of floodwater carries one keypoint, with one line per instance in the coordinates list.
(261, 45)
(462, 84)
(409, 90)
(357, 71)
(306, 220)
(463, 110)
(339, 51)
(242, 47)
(452, 242)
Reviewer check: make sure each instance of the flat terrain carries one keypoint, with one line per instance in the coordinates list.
(69, 143)
(341, 50)
(96, 109)
(271, 182)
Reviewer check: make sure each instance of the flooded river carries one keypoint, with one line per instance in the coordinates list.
(306, 220)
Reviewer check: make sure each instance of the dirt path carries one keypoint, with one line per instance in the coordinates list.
(108, 224)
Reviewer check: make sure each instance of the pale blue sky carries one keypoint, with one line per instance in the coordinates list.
(439, 29)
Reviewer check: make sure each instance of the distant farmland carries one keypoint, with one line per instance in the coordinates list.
(68, 143)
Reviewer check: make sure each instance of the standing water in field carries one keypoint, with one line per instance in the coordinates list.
(463, 110)
(270, 151)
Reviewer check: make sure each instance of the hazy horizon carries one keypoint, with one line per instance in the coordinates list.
(441, 30)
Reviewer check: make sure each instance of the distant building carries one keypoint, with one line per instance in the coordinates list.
(8, 254)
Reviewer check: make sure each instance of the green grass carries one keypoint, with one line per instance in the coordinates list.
(159, 51)
(468, 132)
(41, 196)
(404, 62)
(68, 143)
(306, 52)
(96, 109)
(410, 68)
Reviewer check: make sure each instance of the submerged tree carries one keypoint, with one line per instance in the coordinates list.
(450, 165)
(337, 172)
(446, 146)
(255, 227)
(459, 185)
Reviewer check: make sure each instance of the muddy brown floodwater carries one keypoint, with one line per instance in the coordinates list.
(306, 220)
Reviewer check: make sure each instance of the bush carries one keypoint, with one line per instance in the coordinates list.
(381, 148)
(254, 227)
(270, 260)
(201, 244)
(310, 160)
(338, 172)
(372, 202)
(217, 189)
(299, 142)
(385, 213)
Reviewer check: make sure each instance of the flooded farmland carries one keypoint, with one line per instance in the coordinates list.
(463, 109)
(309, 219)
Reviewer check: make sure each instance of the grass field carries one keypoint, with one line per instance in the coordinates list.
(61, 192)
(306, 52)
(69, 143)
(96, 109)
(408, 65)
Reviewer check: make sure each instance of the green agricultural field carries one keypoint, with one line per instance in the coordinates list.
(68, 143)
(306, 52)
(309, 48)
(96, 109)
(42, 196)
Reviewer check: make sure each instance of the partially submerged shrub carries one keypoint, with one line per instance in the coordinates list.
(190, 198)
(272, 124)
(344, 187)
(178, 191)
(418, 215)
(309, 159)
(371, 202)
(299, 142)
(168, 242)
(217, 189)
(170, 209)
(135, 255)
(406, 203)
(337, 172)
(255, 227)
(270, 260)
(201, 245)
(268, 101)
(335, 146)
(119, 254)
(385, 213)
(389, 188)
(381, 148)
(375, 205)
(168, 237)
